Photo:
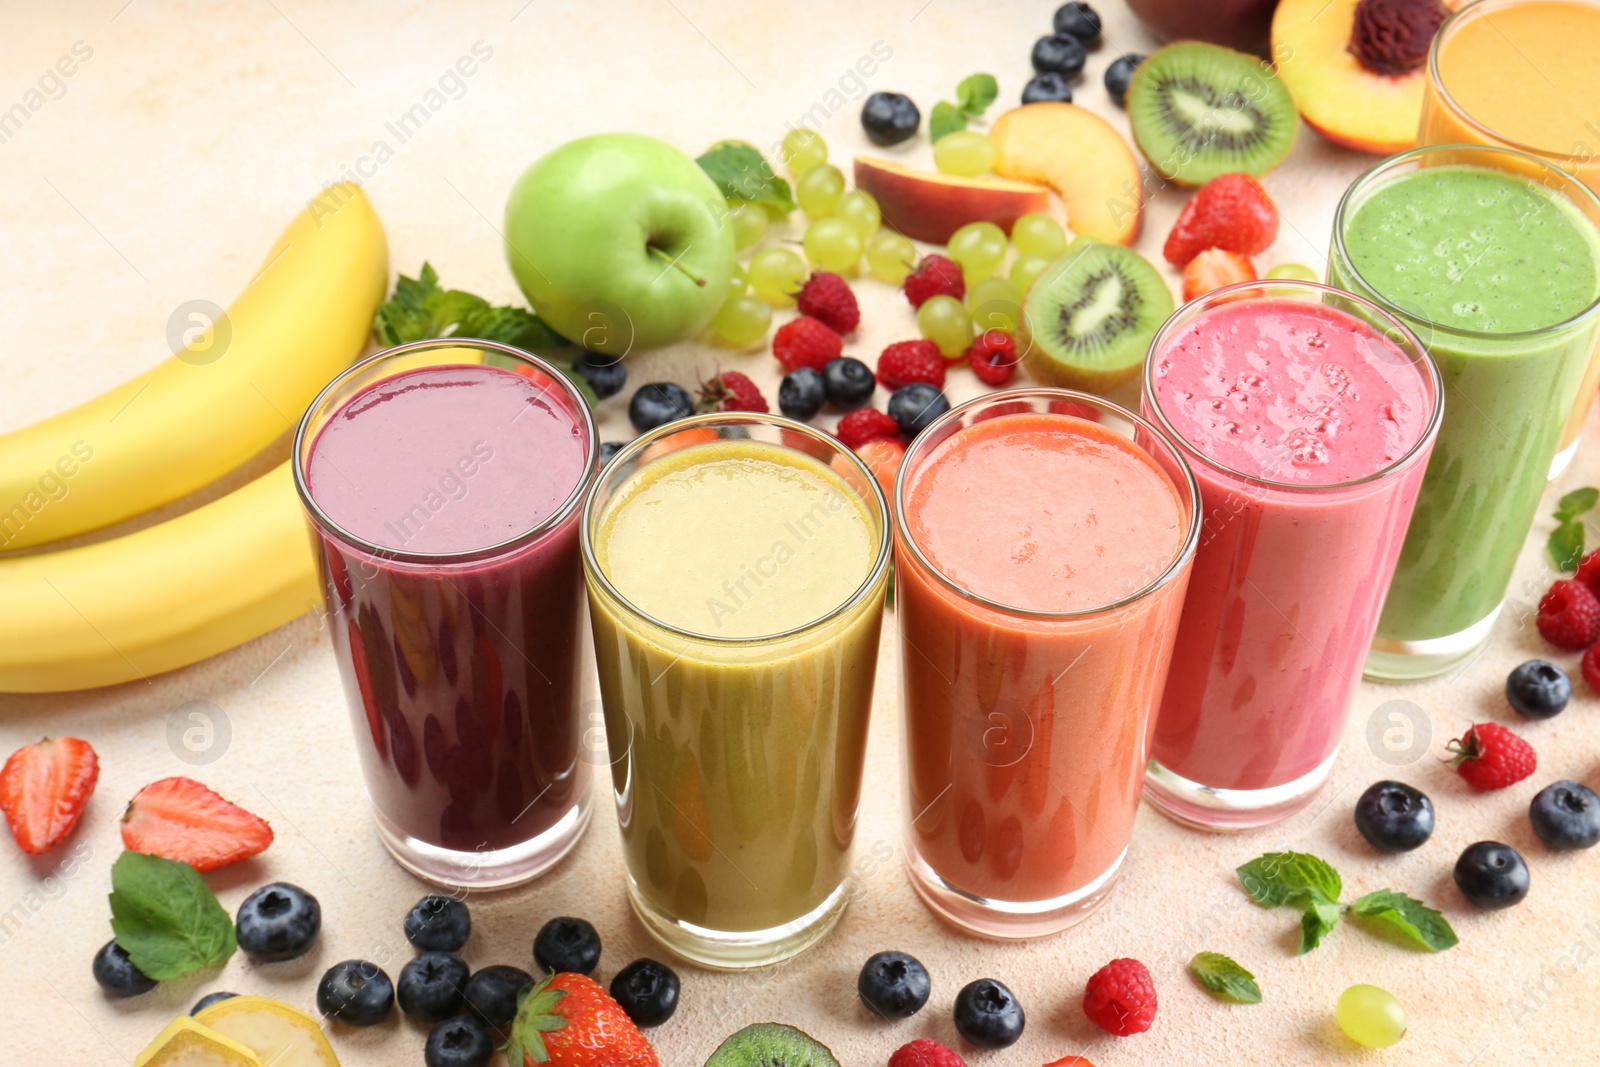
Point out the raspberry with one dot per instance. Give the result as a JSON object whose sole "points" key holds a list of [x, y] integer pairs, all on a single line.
{"points": [[1231, 212], [827, 298], [1590, 666], [865, 424], [731, 391], [805, 342], [1120, 998], [933, 276], [1489, 756], [1569, 615], [905, 362], [993, 356], [925, 1052], [1214, 268], [1589, 572]]}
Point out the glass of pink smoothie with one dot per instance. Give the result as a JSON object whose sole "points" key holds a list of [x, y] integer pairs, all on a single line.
{"points": [[1044, 539], [1308, 416], [442, 481]]}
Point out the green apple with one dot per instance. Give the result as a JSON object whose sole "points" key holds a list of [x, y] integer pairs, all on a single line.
{"points": [[620, 241]]}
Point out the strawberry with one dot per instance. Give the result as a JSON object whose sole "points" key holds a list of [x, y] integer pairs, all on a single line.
{"points": [[866, 424], [731, 391], [43, 789], [180, 819], [805, 342], [993, 356], [827, 298], [1569, 615], [1489, 756], [935, 275], [1231, 212], [567, 1020], [1214, 268], [905, 362]]}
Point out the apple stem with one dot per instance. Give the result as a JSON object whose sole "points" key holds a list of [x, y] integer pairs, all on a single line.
{"points": [[673, 261]]}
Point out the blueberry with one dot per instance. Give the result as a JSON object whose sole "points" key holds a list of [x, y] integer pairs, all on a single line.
{"points": [[278, 922], [1060, 53], [1394, 817], [801, 393], [1047, 85], [647, 991], [893, 984], [438, 923], [1566, 815], [606, 375], [1538, 690], [1492, 875], [916, 405], [1120, 74], [567, 944], [988, 1015], [890, 118], [492, 994], [657, 404], [461, 1042], [1078, 20], [849, 382], [355, 992], [609, 449], [209, 999], [116, 973], [432, 986]]}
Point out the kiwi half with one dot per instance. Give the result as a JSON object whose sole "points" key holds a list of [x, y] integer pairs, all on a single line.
{"points": [[1200, 110], [771, 1045], [1089, 317]]}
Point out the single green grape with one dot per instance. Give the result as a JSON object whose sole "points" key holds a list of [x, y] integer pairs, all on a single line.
{"points": [[860, 210], [832, 245], [965, 153], [743, 320], [890, 256], [1370, 1016], [1025, 270], [737, 281], [994, 304], [776, 274], [978, 247], [818, 190], [1293, 272], [943, 320], [804, 150], [749, 223], [1037, 234]]}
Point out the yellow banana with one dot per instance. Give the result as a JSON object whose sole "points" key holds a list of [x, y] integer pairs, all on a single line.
{"points": [[232, 391]]}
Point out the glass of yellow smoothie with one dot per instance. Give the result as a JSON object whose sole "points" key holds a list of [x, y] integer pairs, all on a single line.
{"points": [[737, 566]]}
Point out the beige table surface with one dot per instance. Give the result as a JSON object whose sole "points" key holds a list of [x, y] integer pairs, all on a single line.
{"points": [[164, 170]]}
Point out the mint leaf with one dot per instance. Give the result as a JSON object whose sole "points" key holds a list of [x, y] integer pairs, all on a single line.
{"points": [[1319, 919], [420, 310], [165, 918], [975, 93], [944, 119], [1290, 878], [514, 326], [1576, 503], [1410, 919], [1566, 545], [741, 172], [1224, 978]]}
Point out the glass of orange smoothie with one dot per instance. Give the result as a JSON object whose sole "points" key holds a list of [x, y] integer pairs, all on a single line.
{"points": [[1043, 545], [1523, 74]]}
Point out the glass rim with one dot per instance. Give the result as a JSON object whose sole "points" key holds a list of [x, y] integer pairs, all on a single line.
{"points": [[1372, 174], [1431, 375], [499, 548], [1174, 567], [880, 563]]}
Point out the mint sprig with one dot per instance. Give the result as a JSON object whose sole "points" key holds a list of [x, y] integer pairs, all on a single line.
{"points": [[1566, 540], [1302, 880], [743, 174], [974, 94], [165, 917], [1225, 979]]}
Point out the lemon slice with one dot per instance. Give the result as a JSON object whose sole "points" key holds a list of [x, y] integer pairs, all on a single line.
{"points": [[276, 1033], [187, 1043]]}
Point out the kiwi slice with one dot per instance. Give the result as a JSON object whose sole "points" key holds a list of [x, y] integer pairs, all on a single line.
{"points": [[1200, 110], [1089, 317], [771, 1045]]}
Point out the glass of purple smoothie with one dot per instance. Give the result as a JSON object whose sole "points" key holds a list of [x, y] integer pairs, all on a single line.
{"points": [[442, 482]]}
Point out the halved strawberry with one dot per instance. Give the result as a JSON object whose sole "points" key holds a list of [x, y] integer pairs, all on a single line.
{"points": [[1214, 268], [180, 819], [43, 789]]}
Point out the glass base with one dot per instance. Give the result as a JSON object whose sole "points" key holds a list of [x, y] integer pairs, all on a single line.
{"points": [[497, 869], [738, 950], [1231, 810], [1007, 920], [1416, 661], [1563, 459]]}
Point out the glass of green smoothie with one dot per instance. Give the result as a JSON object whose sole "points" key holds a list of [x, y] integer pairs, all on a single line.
{"points": [[737, 565], [1492, 258]]}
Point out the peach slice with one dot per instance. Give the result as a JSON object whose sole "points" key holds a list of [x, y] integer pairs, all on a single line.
{"points": [[928, 206], [1079, 155]]}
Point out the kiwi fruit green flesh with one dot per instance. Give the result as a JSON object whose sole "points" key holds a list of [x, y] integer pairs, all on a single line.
{"points": [[1089, 317], [1200, 110], [771, 1045]]}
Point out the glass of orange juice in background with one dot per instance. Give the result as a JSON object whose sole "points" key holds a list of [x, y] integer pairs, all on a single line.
{"points": [[1523, 74]]}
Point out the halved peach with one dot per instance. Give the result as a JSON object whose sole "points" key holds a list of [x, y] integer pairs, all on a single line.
{"points": [[1079, 155], [930, 206]]}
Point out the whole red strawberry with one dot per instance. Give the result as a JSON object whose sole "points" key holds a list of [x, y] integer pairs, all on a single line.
{"points": [[567, 1020], [935, 275], [1231, 212], [827, 298], [182, 820], [43, 789], [905, 362], [805, 342], [993, 357], [731, 391], [865, 424], [1489, 756], [925, 1052], [1121, 998], [1569, 615]]}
